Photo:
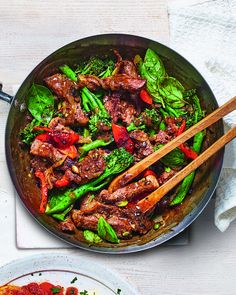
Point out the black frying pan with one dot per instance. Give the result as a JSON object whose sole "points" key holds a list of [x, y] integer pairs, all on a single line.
{"points": [[18, 160]]}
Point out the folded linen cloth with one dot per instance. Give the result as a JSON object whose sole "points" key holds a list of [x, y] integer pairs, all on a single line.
{"points": [[204, 33]]}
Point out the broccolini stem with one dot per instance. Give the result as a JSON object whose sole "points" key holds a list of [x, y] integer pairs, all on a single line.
{"points": [[187, 182], [68, 72], [93, 145]]}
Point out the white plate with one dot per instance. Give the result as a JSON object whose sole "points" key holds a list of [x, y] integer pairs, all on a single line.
{"points": [[61, 269]]}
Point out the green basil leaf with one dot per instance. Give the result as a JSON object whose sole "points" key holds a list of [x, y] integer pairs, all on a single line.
{"points": [[41, 103], [153, 70], [172, 91], [152, 67], [106, 232], [92, 237]]}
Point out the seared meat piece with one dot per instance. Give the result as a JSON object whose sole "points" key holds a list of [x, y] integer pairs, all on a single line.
{"points": [[125, 66], [142, 145], [40, 164], [62, 86], [67, 226], [85, 203], [172, 128], [89, 81], [123, 220], [122, 82], [46, 150], [165, 176], [131, 191], [161, 137], [91, 166], [66, 88], [116, 82], [67, 164], [85, 221], [72, 113], [119, 109], [72, 177]]}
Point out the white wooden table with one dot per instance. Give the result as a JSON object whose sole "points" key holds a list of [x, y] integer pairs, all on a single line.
{"points": [[29, 31]]}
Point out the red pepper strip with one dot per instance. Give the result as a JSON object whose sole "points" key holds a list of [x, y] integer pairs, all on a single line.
{"points": [[189, 153], [44, 191], [145, 96], [41, 128], [62, 182], [72, 290], [149, 172], [181, 128], [63, 140], [71, 151], [122, 138], [43, 137]]}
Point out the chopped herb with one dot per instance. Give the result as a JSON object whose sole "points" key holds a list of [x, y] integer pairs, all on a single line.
{"points": [[40, 274], [84, 293], [118, 292], [56, 290], [122, 203], [167, 169], [74, 280], [156, 225]]}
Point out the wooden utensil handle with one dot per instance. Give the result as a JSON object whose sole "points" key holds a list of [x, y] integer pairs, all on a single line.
{"points": [[150, 201], [135, 170]]}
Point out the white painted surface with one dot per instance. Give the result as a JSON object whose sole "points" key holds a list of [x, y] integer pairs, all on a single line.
{"points": [[29, 31]]}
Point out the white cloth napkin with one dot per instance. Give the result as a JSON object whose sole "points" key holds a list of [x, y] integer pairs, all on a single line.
{"points": [[205, 33]]}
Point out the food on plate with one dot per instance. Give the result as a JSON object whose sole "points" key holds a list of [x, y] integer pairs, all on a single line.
{"points": [[89, 123], [44, 288]]}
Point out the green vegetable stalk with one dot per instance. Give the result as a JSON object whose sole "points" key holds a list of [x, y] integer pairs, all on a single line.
{"points": [[93, 145], [68, 72], [92, 103], [96, 66], [116, 162], [187, 182]]}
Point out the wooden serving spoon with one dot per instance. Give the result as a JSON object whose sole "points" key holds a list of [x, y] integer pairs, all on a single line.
{"points": [[135, 170]]}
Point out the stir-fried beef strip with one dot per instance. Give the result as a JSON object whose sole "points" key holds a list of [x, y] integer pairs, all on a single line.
{"points": [[131, 191], [46, 150], [165, 176], [172, 127], [161, 137], [114, 83], [73, 113], [122, 82], [124, 221], [119, 109], [92, 166], [91, 82], [67, 226], [62, 86], [125, 66], [66, 89], [142, 144]]}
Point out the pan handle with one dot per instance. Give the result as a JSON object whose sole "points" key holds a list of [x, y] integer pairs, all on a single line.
{"points": [[4, 96]]}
